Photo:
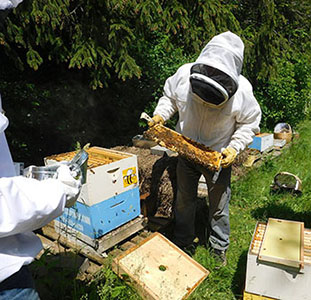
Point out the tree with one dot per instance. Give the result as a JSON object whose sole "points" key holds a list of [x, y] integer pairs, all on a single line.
{"points": [[109, 37]]}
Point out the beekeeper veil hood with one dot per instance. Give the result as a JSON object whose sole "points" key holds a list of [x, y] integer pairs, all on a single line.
{"points": [[6, 6], [214, 75]]}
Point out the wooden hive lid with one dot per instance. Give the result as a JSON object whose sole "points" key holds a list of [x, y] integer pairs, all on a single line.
{"points": [[283, 243]]}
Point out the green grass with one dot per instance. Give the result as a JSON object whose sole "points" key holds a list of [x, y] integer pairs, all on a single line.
{"points": [[251, 201]]}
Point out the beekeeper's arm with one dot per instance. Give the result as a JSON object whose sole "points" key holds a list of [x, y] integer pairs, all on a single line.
{"points": [[167, 105], [27, 204], [247, 120]]}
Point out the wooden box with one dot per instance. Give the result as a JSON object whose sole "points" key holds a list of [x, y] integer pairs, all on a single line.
{"points": [[159, 269]]}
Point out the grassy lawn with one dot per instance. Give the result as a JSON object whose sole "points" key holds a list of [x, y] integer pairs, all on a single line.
{"points": [[251, 201]]}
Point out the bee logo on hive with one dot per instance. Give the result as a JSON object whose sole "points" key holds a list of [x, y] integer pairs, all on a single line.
{"points": [[129, 176]]}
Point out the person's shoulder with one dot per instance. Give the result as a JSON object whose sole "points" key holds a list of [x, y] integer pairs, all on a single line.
{"points": [[245, 95], [244, 84]]}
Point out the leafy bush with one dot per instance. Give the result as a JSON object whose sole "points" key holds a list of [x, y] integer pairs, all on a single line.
{"points": [[161, 62], [286, 97]]}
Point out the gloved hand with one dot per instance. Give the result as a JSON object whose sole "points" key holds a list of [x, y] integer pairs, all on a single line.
{"points": [[72, 186], [228, 156], [157, 119]]}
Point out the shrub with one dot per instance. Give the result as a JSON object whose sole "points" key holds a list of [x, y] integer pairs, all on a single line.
{"points": [[286, 97]]}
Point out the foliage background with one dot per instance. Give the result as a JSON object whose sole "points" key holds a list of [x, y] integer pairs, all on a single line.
{"points": [[83, 71]]}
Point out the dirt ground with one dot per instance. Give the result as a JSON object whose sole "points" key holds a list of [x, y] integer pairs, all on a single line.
{"points": [[157, 176]]}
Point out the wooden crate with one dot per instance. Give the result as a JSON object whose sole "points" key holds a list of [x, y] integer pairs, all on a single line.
{"points": [[159, 269]]}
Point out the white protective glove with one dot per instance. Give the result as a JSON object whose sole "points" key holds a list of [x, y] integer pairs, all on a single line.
{"points": [[72, 186]]}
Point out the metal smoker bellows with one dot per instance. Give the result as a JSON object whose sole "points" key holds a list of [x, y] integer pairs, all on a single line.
{"points": [[77, 165]]}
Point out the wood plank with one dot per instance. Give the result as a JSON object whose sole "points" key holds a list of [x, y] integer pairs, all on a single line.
{"points": [[159, 269], [106, 242], [127, 245], [77, 245], [53, 246], [137, 239], [116, 236], [282, 243]]}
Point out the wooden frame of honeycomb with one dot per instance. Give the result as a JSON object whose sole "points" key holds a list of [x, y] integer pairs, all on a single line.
{"points": [[185, 147]]}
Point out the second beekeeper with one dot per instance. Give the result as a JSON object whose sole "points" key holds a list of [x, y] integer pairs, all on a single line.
{"points": [[217, 108]]}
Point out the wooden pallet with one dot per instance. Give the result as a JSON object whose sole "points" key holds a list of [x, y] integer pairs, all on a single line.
{"points": [[89, 260]]}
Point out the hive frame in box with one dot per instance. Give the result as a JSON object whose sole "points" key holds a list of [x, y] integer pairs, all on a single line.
{"points": [[108, 200]]}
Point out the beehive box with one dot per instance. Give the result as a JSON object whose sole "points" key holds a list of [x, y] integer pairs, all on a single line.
{"points": [[159, 269], [279, 272], [262, 142], [110, 196]]}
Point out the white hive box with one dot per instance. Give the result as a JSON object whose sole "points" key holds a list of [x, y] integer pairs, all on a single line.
{"points": [[262, 142], [279, 261], [109, 173]]}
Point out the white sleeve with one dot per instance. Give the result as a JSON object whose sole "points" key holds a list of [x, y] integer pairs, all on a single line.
{"points": [[247, 121], [166, 106], [27, 204], [174, 90]]}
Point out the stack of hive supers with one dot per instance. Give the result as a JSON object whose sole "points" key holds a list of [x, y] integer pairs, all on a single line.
{"points": [[185, 147], [109, 198]]}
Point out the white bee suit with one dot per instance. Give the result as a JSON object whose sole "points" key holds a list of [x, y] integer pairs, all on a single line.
{"points": [[217, 108], [233, 124], [25, 205]]}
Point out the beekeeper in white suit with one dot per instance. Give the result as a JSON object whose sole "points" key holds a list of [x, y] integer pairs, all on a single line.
{"points": [[26, 204], [216, 107]]}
